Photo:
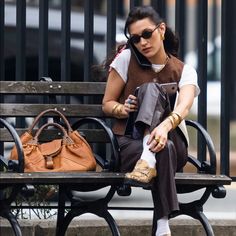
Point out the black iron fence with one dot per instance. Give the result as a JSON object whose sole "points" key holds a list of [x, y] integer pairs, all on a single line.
{"points": [[64, 42]]}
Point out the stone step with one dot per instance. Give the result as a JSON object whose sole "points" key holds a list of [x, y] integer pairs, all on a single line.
{"points": [[179, 227]]}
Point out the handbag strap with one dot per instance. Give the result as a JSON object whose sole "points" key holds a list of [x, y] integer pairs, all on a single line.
{"points": [[49, 111], [66, 139]]}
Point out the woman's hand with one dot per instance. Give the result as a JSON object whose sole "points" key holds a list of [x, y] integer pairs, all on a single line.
{"points": [[158, 137], [131, 104]]}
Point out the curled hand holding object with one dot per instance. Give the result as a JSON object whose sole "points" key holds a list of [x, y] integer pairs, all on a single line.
{"points": [[131, 103]]}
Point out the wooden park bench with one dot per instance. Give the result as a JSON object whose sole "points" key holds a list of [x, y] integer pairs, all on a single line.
{"points": [[81, 103]]}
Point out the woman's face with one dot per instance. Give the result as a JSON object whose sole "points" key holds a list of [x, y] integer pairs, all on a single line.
{"points": [[152, 47]]}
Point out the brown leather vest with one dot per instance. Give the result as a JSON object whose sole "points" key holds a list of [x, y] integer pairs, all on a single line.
{"points": [[138, 75]]}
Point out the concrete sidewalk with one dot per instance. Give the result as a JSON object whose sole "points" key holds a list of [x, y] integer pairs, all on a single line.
{"points": [[179, 227]]}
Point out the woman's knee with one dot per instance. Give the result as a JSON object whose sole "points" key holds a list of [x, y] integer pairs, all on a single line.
{"points": [[152, 88]]}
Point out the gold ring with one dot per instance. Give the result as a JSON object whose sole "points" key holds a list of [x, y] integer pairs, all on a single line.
{"points": [[157, 139]]}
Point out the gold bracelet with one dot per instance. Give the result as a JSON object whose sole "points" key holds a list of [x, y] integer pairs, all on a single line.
{"points": [[177, 121], [178, 115], [119, 110], [170, 118], [114, 108], [174, 120]]}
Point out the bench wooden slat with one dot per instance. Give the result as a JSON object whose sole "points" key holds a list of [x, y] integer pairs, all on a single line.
{"points": [[60, 178], [92, 135], [39, 88], [201, 179], [105, 177], [32, 110]]}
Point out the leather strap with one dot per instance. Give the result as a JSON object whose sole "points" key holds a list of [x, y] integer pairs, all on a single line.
{"points": [[50, 111]]}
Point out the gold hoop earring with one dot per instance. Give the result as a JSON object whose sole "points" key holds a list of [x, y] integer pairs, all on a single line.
{"points": [[162, 37]]}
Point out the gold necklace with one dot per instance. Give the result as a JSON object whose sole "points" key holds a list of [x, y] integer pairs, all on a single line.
{"points": [[161, 67]]}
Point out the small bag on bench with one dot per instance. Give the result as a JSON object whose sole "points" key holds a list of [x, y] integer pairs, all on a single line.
{"points": [[70, 153]]}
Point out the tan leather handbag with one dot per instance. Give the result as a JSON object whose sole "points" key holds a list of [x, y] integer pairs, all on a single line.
{"points": [[71, 153]]}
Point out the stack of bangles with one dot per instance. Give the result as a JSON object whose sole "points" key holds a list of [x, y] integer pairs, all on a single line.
{"points": [[117, 109], [175, 119]]}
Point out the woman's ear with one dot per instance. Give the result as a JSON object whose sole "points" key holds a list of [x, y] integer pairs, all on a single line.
{"points": [[162, 29]]}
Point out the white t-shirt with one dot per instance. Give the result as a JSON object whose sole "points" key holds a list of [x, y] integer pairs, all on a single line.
{"points": [[121, 64]]}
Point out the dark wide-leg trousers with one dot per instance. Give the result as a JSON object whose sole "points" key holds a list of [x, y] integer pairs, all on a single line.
{"points": [[153, 108]]}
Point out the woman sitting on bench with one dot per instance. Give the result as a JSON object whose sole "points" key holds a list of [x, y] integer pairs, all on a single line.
{"points": [[150, 128]]}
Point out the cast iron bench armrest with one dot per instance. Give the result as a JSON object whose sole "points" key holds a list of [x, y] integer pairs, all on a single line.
{"points": [[205, 166], [110, 165], [17, 166]]}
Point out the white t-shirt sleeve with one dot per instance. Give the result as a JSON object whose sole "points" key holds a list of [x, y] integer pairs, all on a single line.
{"points": [[121, 63], [189, 76]]}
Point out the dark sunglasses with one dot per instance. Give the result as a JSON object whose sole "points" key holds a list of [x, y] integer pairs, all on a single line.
{"points": [[146, 34]]}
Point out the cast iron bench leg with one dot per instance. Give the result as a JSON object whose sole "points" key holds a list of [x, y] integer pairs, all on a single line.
{"points": [[194, 210], [61, 210], [14, 223], [207, 226], [61, 230], [62, 227], [80, 207], [112, 224]]}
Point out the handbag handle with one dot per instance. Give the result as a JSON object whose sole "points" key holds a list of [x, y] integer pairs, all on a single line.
{"points": [[50, 111], [66, 139]]}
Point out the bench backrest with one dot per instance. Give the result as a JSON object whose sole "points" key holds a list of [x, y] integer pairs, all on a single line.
{"points": [[26, 99]]}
